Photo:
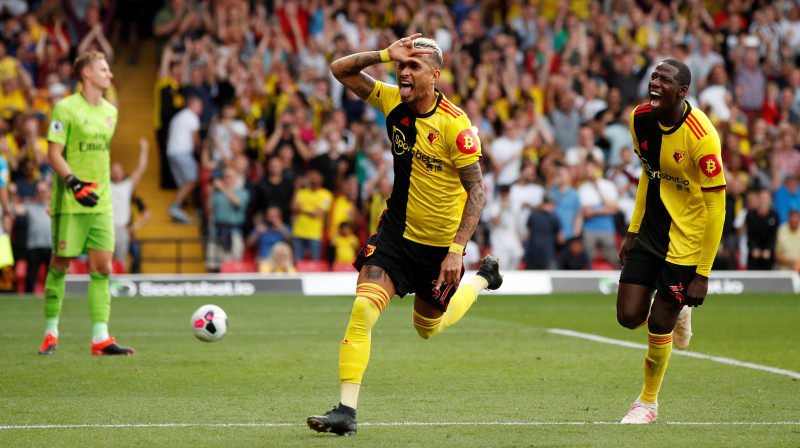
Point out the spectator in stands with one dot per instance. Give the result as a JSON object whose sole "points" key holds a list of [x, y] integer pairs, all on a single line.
{"points": [[626, 178], [506, 229], [788, 197], [567, 202], [38, 242], [599, 201], [703, 60], [279, 261], [544, 235], [717, 97], [573, 256], [168, 101], [345, 244], [228, 205], [274, 190], [183, 143], [526, 195], [344, 208], [223, 134], [286, 134], [586, 147], [26, 182], [269, 229], [506, 153], [750, 83], [171, 20], [334, 165], [787, 248], [762, 231], [566, 121], [122, 190], [311, 205]]}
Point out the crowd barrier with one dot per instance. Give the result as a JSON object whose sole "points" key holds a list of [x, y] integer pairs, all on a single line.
{"points": [[343, 283]]}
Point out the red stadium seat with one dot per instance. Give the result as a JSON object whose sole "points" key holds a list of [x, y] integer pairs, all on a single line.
{"points": [[232, 266], [117, 267], [78, 267], [312, 266], [343, 267]]}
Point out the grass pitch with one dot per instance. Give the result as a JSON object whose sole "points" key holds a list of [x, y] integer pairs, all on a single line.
{"points": [[498, 378]]}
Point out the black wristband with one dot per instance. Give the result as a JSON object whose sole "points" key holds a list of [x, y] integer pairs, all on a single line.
{"points": [[71, 180]]}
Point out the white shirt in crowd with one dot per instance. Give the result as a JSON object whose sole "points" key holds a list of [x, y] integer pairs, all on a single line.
{"points": [[181, 132]]}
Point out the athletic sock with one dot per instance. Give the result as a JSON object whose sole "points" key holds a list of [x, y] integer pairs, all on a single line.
{"points": [[370, 301], [53, 297], [99, 332], [478, 283], [461, 301], [427, 327], [655, 364], [51, 327], [99, 305]]}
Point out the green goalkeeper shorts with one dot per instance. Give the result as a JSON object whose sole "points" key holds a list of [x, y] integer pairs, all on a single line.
{"points": [[74, 234]]}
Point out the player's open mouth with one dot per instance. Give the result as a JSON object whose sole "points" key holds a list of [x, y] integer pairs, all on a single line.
{"points": [[655, 99], [406, 88]]}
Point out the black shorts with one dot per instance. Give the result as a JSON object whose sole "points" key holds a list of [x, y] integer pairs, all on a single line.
{"points": [[413, 267], [645, 269]]}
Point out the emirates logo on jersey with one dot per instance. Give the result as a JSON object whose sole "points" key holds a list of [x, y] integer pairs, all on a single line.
{"points": [[679, 155]]}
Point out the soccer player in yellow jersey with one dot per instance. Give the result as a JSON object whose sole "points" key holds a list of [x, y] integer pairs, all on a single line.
{"points": [[676, 225], [419, 244]]}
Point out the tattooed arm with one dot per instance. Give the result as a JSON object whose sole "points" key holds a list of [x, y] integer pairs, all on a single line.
{"points": [[348, 70], [472, 181]]}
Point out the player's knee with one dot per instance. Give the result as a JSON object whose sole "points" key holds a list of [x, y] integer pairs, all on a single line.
{"points": [[60, 264], [365, 311], [630, 320], [100, 268]]}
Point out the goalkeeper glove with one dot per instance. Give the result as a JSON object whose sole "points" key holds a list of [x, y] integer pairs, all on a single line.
{"points": [[83, 191]]}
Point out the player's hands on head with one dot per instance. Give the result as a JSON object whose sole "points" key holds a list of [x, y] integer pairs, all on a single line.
{"points": [[83, 190], [403, 50], [450, 272], [697, 290]]}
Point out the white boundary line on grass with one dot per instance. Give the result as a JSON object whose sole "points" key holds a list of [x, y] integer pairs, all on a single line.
{"points": [[719, 359], [274, 425]]}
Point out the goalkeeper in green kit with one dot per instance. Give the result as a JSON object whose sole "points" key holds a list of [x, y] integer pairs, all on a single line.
{"points": [[81, 128]]}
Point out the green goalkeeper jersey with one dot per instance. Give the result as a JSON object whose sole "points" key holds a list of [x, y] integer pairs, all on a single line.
{"points": [[86, 132]]}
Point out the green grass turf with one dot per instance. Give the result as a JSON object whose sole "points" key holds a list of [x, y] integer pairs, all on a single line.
{"points": [[278, 364]]}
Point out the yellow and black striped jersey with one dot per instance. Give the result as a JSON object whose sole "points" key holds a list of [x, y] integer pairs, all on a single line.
{"points": [[680, 164], [428, 150]]}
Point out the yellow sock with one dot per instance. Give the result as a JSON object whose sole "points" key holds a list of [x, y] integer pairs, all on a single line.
{"points": [[459, 304], [655, 364], [370, 301]]}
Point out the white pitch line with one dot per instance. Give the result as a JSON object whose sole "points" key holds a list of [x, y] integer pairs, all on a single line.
{"points": [[719, 359], [274, 425]]}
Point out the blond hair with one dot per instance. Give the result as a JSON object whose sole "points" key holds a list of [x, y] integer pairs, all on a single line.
{"points": [[84, 60], [430, 44]]}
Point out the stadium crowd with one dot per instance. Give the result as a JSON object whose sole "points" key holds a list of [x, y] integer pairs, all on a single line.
{"points": [[284, 164]]}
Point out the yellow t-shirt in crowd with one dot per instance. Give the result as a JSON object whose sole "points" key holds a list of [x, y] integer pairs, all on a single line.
{"points": [[305, 225]]}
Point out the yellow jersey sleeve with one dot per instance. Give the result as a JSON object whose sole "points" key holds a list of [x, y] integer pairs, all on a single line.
{"points": [[385, 97], [707, 156], [462, 142]]}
